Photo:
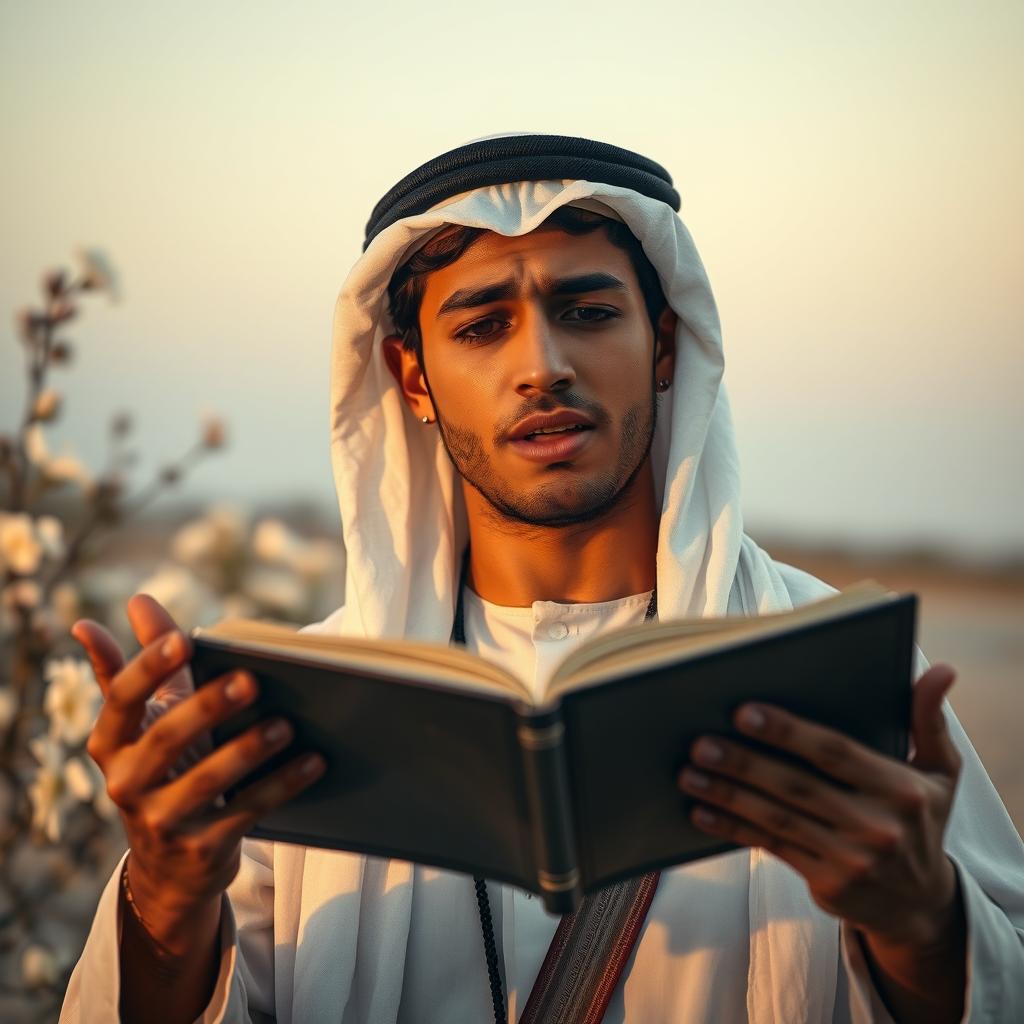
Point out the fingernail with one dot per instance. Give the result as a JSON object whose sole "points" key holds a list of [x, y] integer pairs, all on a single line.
{"points": [[312, 765], [709, 752], [703, 816], [696, 779], [751, 717], [277, 731], [235, 689], [169, 647]]}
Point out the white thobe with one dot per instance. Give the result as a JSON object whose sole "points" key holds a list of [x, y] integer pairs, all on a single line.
{"points": [[315, 935]]}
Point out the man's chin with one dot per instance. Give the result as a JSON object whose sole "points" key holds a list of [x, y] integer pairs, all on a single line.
{"points": [[559, 507]]}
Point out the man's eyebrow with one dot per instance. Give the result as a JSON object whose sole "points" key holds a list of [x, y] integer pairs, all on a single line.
{"points": [[598, 281], [469, 298]]}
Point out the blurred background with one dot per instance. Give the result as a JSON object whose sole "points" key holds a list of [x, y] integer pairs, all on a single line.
{"points": [[851, 175]]}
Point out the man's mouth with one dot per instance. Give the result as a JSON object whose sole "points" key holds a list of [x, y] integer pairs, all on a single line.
{"points": [[544, 424], [550, 437], [544, 431]]}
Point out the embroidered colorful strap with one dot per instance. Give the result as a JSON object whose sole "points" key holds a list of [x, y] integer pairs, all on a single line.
{"points": [[588, 954]]}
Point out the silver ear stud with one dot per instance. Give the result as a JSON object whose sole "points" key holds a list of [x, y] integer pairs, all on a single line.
{"points": [[663, 384], [425, 419]]}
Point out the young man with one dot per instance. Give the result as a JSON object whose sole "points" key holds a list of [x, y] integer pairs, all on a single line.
{"points": [[527, 364]]}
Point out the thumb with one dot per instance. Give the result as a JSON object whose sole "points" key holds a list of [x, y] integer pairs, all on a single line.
{"points": [[149, 618], [934, 751]]}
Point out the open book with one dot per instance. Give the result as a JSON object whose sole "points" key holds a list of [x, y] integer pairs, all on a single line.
{"points": [[437, 756]]}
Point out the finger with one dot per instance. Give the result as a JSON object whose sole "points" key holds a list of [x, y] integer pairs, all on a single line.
{"points": [[934, 750], [734, 830], [149, 619], [786, 823], [789, 784], [831, 752], [261, 797], [103, 651], [164, 742], [122, 712], [219, 771]]}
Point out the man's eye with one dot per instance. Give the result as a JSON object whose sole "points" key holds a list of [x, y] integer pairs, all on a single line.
{"points": [[599, 314], [474, 331]]}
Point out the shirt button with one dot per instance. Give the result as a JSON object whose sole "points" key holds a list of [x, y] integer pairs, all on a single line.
{"points": [[558, 631]]}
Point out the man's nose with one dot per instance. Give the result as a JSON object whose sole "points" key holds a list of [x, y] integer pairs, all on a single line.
{"points": [[543, 362]]}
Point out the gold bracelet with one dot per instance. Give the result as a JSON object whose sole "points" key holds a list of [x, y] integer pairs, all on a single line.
{"points": [[162, 953]]}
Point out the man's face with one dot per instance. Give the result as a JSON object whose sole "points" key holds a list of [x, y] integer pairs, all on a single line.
{"points": [[539, 356]]}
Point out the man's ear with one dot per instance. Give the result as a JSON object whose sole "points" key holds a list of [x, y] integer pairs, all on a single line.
{"points": [[405, 368], [665, 345]]}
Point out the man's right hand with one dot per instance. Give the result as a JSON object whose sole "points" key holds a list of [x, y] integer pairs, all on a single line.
{"points": [[151, 740]]}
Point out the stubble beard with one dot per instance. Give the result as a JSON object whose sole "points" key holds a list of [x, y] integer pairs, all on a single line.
{"points": [[555, 505]]}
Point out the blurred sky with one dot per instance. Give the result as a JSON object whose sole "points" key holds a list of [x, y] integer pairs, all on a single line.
{"points": [[851, 173]]}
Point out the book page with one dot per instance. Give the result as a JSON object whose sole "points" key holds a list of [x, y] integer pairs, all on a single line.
{"points": [[640, 647], [416, 661]]}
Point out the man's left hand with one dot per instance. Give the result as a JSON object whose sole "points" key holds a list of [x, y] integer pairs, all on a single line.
{"points": [[867, 837]]}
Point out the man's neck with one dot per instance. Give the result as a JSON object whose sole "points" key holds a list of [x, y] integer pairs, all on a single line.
{"points": [[514, 564]]}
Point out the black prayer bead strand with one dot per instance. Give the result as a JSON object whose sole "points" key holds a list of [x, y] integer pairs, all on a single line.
{"points": [[490, 950]]}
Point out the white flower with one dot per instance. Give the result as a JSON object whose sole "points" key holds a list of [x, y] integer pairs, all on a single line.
{"points": [[35, 445], [50, 531], [66, 604], [38, 966], [66, 469], [231, 522], [72, 699], [215, 538], [214, 433], [195, 543], [63, 468], [21, 594], [8, 709], [277, 589], [47, 404], [20, 550], [273, 541], [86, 782], [188, 600], [79, 780], [98, 272], [49, 792]]}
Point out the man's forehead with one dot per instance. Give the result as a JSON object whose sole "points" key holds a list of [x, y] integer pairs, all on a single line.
{"points": [[545, 252]]}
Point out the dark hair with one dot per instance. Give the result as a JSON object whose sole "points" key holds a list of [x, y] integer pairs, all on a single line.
{"points": [[405, 290]]}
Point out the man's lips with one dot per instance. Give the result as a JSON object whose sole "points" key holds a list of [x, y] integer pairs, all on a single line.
{"points": [[558, 447], [540, 423]]}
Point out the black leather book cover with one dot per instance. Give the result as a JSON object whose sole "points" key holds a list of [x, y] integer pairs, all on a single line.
{"points": [[627, 740], [444, 777]]}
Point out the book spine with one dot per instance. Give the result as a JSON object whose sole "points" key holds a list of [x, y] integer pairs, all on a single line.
{"points": [[546, 774]]}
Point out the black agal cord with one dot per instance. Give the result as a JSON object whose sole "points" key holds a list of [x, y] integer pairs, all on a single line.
{"points": [[519, 158]]}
